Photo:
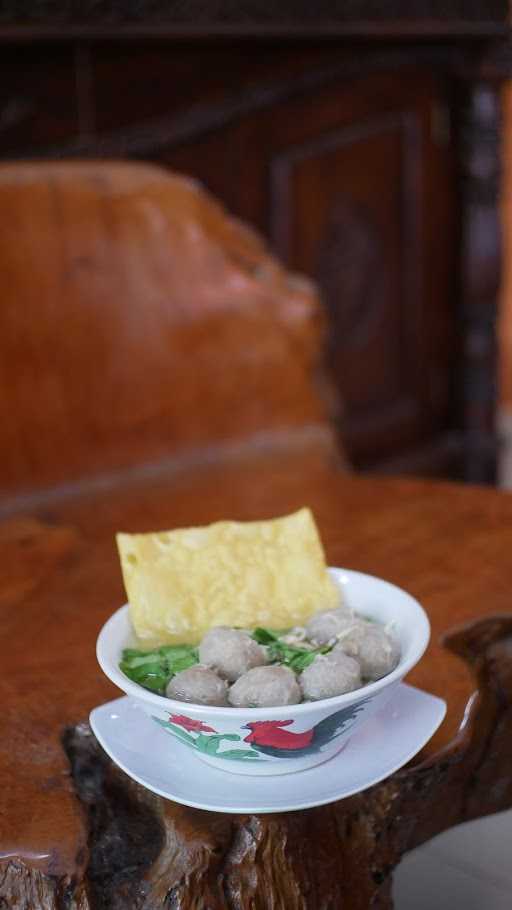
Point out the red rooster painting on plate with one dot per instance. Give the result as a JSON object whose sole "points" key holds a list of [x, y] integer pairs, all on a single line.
{"points": [[271, 738]]}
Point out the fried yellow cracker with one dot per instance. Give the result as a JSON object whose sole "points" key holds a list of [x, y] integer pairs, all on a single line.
{"points": [[260, 573]]}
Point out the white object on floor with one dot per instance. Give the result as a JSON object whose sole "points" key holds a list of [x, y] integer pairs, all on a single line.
{"points": [[468, 866], [169, 768]]}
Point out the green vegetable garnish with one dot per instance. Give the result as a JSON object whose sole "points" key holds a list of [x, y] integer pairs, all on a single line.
{"points": [[154, 669], [292, 656], [265, 636]]}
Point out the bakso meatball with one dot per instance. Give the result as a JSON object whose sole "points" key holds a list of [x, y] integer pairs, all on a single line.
{"points": [[376, 651], [198, 685], [323, 627], [264, 687], [230, 652], [330, 674]]}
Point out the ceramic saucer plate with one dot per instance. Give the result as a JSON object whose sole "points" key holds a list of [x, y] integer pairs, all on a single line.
{"points": [[164, 765]]}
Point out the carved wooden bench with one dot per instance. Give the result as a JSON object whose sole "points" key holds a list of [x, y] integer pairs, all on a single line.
{"points": [[141, 328]]}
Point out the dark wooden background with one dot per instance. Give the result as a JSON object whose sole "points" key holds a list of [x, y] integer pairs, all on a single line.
{"points": [[353, 150]]}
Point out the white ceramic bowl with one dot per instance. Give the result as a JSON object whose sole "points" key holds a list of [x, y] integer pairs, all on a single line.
{"points": [[288, 738]]}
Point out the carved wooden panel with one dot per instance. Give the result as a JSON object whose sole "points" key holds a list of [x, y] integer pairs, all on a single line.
{"points": [[353, 245], [175, 94], [506, 293], [38, 99], [459, 17], [351, 206], [480, 275]]}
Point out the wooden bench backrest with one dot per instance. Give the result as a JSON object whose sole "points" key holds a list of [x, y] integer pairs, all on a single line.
{"points": [[138, 321]]}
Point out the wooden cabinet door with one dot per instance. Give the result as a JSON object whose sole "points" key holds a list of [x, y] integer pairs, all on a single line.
{"points": [[357, 184], [353, 183]]}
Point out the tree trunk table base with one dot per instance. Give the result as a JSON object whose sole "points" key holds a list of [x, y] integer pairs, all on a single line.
{"points": [[145, 851]]}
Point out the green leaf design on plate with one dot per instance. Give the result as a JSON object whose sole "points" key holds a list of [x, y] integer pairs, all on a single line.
{"points": [[210, 744], [241, 755], [176, 731]]}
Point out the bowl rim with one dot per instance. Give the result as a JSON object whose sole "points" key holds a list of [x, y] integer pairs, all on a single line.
{"points": [[173, 706]]}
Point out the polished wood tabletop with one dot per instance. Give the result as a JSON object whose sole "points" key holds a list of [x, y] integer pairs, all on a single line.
{"points": [[67, 815]]}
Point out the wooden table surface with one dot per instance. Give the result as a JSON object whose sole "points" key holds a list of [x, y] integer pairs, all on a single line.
{"points": [[76, 833]]}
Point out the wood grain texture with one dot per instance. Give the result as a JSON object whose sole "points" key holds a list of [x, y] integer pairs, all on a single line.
{"points": [[424, 17], [101, 841], [140, 322]]}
